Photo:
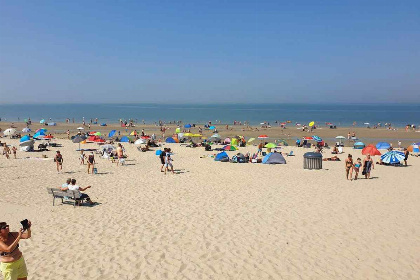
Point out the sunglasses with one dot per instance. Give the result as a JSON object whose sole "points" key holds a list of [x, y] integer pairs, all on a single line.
{"points": [[4, 226]]}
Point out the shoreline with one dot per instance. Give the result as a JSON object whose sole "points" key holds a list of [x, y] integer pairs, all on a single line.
{"points": [[290, 134]]}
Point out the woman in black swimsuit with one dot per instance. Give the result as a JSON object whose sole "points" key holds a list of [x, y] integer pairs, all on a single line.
{"points": [[91, 162], [59, 161]]}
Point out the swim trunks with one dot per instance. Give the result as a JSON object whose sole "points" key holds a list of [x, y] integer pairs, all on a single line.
{"points": [[14, 270]]}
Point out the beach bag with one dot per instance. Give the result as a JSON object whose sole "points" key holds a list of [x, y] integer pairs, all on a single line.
{"points": [[95, 170]]}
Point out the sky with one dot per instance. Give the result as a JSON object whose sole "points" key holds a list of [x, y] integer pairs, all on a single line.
{"points": [[209, 51]]}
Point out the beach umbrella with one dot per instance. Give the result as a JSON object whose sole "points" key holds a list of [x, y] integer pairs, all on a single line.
{"points": [[270, 145], [392, 157], [107, 147], [263, 136], [188, 134], [80, 128], [383, 146], [133, 133], [340, 137], [359, 145], [317, 138], [187, 126], [212, 127], [97, 133], [42, 121], [177, 130], [79, 139], [27, 143], [197, 135], [230, 148], [250, 140], [24, 138], [312, 123], [43, 130], [371, 150], [9, 131], [26, 129]]}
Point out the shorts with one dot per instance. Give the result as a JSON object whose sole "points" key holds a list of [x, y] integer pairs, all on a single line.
{"points": [[169, 165], [14, 270]]}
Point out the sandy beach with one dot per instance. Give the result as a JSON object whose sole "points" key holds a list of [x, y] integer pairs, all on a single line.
{"points": [[214, 220]]}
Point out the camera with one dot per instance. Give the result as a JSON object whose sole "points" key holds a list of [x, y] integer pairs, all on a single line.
{"points": [[25, 224]]}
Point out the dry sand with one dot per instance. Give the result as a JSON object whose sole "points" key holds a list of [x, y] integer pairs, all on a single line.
{"points": [[214, 220]]}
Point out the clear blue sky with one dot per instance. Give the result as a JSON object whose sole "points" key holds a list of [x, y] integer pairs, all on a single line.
{"points": [[209, 51]]}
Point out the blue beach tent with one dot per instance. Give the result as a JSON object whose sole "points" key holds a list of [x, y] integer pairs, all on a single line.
{"points": [[103, 124], [170, 140], [383, 146], [220, 156], [124, 139], [24, 138], [274, 158], [187, 126], [212, 127], [111, 133]]}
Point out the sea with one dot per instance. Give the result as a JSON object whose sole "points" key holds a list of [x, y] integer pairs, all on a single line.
{"points": [[399, 115]]}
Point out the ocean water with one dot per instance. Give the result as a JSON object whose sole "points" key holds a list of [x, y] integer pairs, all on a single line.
{"points": [[341, 115]]}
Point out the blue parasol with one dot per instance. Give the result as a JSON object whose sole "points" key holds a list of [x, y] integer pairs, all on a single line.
{"points": [[393, 157]]}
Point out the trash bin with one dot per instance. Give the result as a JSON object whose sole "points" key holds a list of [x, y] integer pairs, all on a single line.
{"points": [[312, 161]]}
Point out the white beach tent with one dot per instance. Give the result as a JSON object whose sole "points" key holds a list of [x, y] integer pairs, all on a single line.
{"points": [[9, 131]]}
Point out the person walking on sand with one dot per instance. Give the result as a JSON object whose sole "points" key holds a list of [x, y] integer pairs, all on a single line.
{"points": [[14, 152], [120, 154], [349, 166], [91, 162], [82, 158], [406, 154], [162, 157], [356, 168], [68, 134], [168, 161], [12, 263], [59, 161], [367, 166], [6, 150]]}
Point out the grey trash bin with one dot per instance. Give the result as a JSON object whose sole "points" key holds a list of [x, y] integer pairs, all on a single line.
{"points": [[312, 161]]}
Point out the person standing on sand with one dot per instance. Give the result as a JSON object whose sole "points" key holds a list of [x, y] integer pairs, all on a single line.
{"points": [[259, 151], [168, 161], [91, 162], [68, 134], [406, 154], [349, 167], [59, 161], [120, 154], [367, 166], [162, 157], [12, 263]]}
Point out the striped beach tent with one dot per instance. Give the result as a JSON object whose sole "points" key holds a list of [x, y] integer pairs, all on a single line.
{"points": [[392, 157]]}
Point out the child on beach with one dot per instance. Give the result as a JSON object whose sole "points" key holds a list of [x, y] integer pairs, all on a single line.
{"points": [[168, 161], [356, 168], [6, 150], [14, 151], [82, 158]]}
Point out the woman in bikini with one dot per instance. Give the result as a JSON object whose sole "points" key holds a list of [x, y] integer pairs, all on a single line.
{"points": [[59, 161], [12, 263], [349, 167]]}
